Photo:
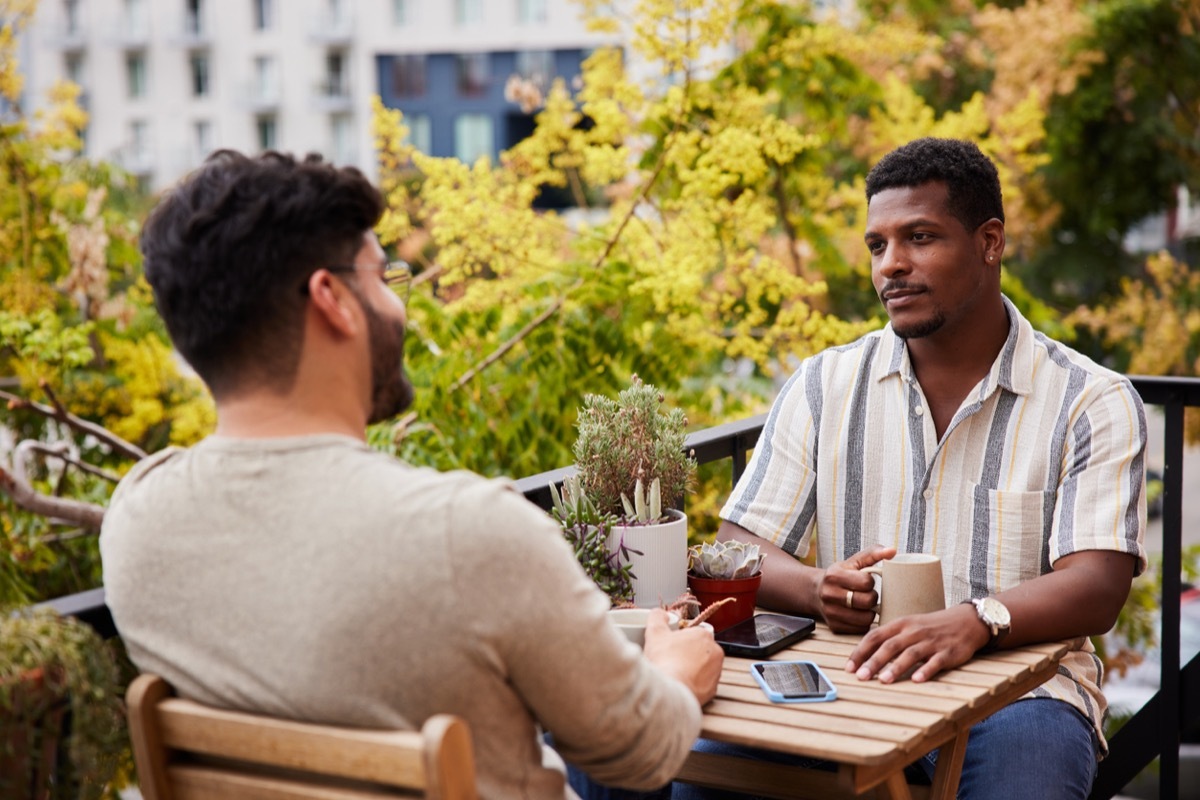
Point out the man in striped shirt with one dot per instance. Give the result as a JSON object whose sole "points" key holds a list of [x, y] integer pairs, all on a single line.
{"points": [[960, 431]]}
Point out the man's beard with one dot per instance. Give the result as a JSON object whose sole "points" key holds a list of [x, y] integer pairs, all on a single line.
{"points": [[919, 330], [391, 390]]}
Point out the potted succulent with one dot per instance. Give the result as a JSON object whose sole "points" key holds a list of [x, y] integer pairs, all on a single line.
{"points": [[587, 530], [631, 463], [62, 722], [720, 570]]}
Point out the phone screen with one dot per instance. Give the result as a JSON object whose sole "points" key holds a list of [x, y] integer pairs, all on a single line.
{"points": [[794, 679], [761, 630]]}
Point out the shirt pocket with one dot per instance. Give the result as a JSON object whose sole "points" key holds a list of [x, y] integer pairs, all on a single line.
{"points": [[1010, 536]]}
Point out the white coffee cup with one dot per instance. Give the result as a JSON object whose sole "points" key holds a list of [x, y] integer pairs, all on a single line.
{"points": [[632, 622], [909, 583]]}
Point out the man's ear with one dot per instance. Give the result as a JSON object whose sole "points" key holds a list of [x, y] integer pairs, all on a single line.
{"points": [[334, 305], [993, 241]]}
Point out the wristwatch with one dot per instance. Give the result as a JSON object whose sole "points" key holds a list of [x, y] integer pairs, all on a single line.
{"points": [[995, 615]]}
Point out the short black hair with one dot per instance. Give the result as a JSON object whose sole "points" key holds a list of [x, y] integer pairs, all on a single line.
{"points": [[228, 250], [972, 183]]}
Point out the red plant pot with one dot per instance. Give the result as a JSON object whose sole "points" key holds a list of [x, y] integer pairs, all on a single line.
{"points": [[744, 592]]}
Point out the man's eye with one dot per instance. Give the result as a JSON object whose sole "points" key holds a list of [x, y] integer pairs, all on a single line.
{"points": [[875, 247], [921, 237]]}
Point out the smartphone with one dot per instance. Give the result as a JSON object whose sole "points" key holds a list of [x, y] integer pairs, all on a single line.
{"points": [[763, 635], [793, 681]]}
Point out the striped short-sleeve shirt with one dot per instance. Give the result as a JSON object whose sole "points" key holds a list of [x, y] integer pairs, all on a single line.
{"points": [[1044, 458]]}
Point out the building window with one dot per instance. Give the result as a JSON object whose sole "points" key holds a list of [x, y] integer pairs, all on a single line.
{"points": [[468, 12], [341, 135], [420, 132], [339, 16], [408, 76], [73, 68], [536, 66], [202, 135], [71, 24], [265, 132], [336, 84], [139, 145], [472, 74], [402, 12], [199, 66], [266, 87], [531, 11], [264, 15], [193, 17], [136, 22], [473, 137], [135, 74]]}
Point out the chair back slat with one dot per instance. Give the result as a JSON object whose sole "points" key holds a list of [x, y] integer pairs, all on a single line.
{"points": [[189, 751], [395, 757], [197, 782]]}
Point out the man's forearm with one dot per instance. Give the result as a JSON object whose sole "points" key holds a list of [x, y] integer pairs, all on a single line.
{"points": [[787, 585], [1081, 597]]}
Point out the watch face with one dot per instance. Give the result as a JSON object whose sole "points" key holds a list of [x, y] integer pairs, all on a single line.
{"points": [[995, 612]]}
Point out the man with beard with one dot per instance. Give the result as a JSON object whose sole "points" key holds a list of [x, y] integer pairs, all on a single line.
{"points": [[282, 566], [957, 430]]}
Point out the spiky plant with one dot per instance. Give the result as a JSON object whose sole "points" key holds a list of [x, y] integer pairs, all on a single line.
{"points": [[587, 529], [628, 444]]}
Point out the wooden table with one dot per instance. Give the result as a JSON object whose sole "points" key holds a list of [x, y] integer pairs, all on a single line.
{"points": [[872, 731]]}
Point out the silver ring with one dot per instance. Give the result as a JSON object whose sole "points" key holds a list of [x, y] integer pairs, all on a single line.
{"points": [[849, 598]]}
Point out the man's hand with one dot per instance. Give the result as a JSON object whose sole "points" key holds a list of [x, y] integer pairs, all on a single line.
{"points": [[846, 596], [936, 641], [691, 656]]}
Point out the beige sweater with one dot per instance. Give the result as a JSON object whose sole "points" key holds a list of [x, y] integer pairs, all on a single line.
{"points": [[313, 578]]}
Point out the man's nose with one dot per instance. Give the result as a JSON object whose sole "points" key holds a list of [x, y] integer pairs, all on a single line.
{"points": [[892, 261]]}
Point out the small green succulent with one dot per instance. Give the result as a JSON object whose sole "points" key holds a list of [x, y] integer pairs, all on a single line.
{"points": [[724, 560]]}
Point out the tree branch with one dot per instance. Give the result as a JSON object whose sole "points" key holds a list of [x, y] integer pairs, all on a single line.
{"points": [[85, 515], [499, 352], [99, 432], [61, 454]]}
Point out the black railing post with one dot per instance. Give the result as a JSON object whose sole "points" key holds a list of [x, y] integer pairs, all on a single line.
{"points": [[1172, 567]]}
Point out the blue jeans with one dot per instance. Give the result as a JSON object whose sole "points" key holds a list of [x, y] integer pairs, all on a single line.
{"points": [[1037, 749]]}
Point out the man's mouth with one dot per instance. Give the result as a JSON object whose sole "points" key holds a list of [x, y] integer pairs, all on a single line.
{"points": [[894, 292]]}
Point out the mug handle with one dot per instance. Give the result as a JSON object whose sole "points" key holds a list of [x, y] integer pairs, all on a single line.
{"points": [[876, 570]]}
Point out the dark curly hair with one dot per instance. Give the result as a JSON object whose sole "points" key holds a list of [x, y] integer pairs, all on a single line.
{"points": [[228, 250], [972, 183]]}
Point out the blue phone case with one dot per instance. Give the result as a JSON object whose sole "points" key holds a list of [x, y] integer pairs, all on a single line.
{"points": [[782, 694]]}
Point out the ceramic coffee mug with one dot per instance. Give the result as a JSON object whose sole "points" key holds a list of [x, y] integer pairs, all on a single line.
{"points": [[910, 583], [632, 622]]}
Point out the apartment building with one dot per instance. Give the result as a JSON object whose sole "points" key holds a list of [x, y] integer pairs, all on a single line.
{"points": [[167, 81]]}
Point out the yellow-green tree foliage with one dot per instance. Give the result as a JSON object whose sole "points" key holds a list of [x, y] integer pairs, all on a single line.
{"points": [[1153, 326], [78, 332], [719, 162]]}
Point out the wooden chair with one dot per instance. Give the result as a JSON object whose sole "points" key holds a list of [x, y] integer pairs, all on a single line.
{"points": [[188, 751]]}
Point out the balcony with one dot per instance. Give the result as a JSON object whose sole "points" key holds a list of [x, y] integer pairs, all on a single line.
{"points": [[137, 161], [194, 32], [68, 37], [332, 29], [130, 34], [1153, 732], [332, 95], [261, 98]]}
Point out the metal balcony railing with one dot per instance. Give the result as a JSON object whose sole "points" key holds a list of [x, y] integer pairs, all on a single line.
{"points": [[1154, 732]]}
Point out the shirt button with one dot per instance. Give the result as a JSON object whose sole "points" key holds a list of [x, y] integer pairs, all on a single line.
{"points": [[919, 410], [927, 494]]}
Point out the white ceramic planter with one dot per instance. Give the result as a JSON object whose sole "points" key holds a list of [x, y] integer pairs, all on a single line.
{"points": [[661, 569]]}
